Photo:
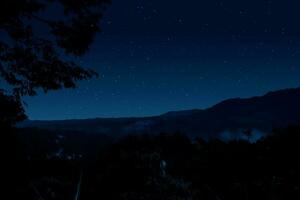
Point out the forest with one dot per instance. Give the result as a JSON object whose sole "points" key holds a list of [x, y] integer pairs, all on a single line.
{"points": [[162, 166]]}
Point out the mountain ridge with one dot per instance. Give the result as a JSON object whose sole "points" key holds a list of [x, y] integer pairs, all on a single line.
{"points": [[273, 110]]}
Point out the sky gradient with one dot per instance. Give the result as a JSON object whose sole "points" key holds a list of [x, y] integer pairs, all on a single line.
{"points": [[155, 56]]}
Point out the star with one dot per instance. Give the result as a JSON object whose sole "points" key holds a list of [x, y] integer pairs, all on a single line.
{"points": [[180, 20]]}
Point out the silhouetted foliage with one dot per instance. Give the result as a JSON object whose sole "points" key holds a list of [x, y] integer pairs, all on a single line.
{"points": [[33, 39], [11, 110], [267, 169], [165, 166], [35, 47]]}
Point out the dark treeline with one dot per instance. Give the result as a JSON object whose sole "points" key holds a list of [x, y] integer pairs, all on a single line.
{"points": [[164, 166]]}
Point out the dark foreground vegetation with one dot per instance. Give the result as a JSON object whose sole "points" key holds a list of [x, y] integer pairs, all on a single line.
{"points": [[164, 166]]}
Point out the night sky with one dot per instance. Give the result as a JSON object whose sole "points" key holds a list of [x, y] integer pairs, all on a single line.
{"points": [[155, 56]]}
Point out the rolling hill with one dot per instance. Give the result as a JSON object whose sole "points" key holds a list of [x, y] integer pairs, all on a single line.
{"points": [[263, 113]]}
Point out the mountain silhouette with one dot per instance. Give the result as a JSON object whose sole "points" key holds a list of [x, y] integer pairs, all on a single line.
{"points": [[263, 113]]}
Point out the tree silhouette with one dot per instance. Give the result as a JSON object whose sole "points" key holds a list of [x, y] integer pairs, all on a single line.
{"points": [[248, 133], [30, 60], [11, 110]]}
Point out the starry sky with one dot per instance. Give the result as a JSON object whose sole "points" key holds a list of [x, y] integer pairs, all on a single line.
{"points": [[158, 56]]}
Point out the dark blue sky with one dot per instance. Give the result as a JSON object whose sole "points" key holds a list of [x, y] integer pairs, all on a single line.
{"points": [[157, 56]]}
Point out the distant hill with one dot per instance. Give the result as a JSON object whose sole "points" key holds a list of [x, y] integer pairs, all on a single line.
{"points": [[273, 110]]}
